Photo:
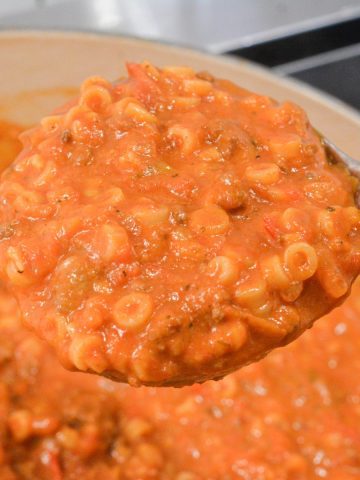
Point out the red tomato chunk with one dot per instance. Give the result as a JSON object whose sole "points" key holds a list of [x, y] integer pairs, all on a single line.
{"points": [[173, 227]]}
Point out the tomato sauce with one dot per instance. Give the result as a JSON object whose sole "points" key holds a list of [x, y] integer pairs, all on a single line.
{"points": [[293, 416], [173, 227]]}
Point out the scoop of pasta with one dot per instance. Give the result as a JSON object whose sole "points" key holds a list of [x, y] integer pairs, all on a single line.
{"points": [[173, 227]]}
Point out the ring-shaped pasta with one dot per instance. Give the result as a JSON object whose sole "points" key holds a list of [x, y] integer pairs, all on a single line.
{"points": [[301, 261]]}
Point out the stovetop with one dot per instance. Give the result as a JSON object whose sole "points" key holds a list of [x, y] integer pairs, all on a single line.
{"points": [[327, 58]]}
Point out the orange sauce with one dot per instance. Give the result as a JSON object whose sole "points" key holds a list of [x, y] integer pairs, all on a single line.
{"points": [[293, 416], [173, 227]]}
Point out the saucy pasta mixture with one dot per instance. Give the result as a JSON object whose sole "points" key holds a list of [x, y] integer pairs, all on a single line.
{"points": [[293, 416], [172, 227]]}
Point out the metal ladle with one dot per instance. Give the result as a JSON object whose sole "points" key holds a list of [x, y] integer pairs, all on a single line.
{"points": [[336, 156]]}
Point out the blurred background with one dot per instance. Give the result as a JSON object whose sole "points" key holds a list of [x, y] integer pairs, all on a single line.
{"points": [[316, 41]]}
